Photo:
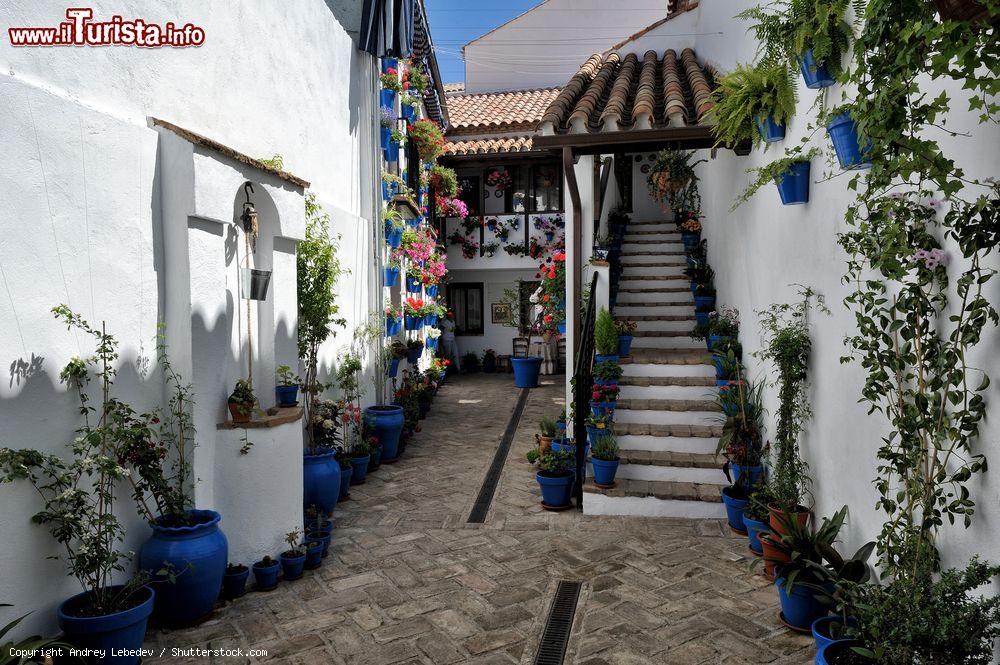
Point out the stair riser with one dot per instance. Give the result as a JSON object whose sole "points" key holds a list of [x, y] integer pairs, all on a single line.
{"points": [[671, 473], [675, 285], [664, 237], [699, 393], [638, 259], [649, 369], [636, 270], [671, 444], [661, 246], [659, 227], [646, 417], [679, 297], [598, 504], [626, 310], [672, 326], [666, 343]]}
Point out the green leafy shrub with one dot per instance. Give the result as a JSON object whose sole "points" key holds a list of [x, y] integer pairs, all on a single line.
{"points": [[605, 334], [750, 93]]}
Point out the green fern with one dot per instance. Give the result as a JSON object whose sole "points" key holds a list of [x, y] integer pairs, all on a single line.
{"points": [[786, 29], [748, 93]]}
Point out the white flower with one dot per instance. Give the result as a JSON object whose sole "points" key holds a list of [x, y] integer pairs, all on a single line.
{"points": [[433, 333], [328, 424]]}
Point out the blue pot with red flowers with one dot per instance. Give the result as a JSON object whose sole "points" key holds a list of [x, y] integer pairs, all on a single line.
{"points": [[414, 322], [392, 326], [601, 409]]}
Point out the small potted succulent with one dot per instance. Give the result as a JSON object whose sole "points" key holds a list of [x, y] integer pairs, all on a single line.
{"points": [[604, 458], [287, 390], [555, 477], [242, 402], [315, 551], [546, 433], [234, 582], [293, 559], [265, 574], [626, 332]]}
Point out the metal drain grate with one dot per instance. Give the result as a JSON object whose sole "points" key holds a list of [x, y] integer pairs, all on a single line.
{"points": [[555, 637], [485, 498]]}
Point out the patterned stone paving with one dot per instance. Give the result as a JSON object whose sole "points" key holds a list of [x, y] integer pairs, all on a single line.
{"points": [[408, 581]]}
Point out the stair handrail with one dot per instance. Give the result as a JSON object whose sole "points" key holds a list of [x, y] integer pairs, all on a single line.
{"points": [[583, 379]]}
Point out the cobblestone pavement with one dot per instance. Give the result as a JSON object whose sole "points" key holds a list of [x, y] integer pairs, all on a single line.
{"points": [[409, 581]]}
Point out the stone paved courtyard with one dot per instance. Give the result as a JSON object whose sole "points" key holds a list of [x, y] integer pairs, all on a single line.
{"points": [[409, 581]]}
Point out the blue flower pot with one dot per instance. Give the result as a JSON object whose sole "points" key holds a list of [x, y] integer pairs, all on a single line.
{"points": [[829, 653], [413, 355], [431, 343], [844, 134], [594, 433], [359, 468], [387, 98], [198, 554], [292, 566], [386, 190], [391, 327], [409, 112], [720, 371], [604, 471], [122, 630], [754, 529], [605, 382], [526, 371], [414, 224], [734, 509], [431, 320], [414, 323], [387, 422], [393, 237], [314, 554], [345, 482], [389, 63], [391, 153], [266, 577], [755, 473], [393, 369], [556, 490], [821, 629], [563, 446], [704, 303], [624, 345], [603, 359], [385, 140], [413, 284], [287, 395], [561, 426], [770, 131], [815, 75], [391, 276], [376, 459], [690, 240], [321, 480], [701, 318], [324, 538], [801, 607], [550, 236], [599, 409], [431, 290], [793, 186], [234, 585]]}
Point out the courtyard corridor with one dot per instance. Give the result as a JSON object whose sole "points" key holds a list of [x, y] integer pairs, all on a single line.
{"points": [[408, 580]]}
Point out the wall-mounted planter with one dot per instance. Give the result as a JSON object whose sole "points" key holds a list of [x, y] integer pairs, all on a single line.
{"points": [[409, 112], [391, 276], [389, 63], [392, 326], [844, 134], [254, 283], [414, 322], [413, 284], [385, 140], [816, 75], [793, 185], [431, 320], [431, 290], [770, 131], [393, 369], [391, 153], [393, 236], [387, 98]]}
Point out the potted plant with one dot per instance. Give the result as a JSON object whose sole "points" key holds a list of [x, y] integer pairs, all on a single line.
{"points": [[410, 105], [396, 139], [555, 477], [395, 225], [391, 270], [413, 311], [443, 181], [672, 180], [265, 574], [414, 349], [605, 338], [598, 426], [387, 122], [741, 443], [546, 433], [690, 227], [525, 320], [234, 582], [607, 373], [433, 337], [319, 529], [489, 361], [853, 150], [287, 390], [361, 453], [343, 458], [391, 86], [321, 472], [755, 518], [604, 459], [294, 558], [752, 103], [626, 330], [242, 401], [428, 139], [393, 316], [603, 399]]}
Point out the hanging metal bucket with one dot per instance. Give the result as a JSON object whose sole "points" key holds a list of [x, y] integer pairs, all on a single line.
{"points": [[254, 283]]}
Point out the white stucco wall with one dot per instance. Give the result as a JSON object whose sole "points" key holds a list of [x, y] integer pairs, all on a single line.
{"points": [[94, 197], [497, 337]]}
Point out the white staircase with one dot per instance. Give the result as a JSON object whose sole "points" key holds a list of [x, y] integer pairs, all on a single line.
{"points": [[667, 423]]}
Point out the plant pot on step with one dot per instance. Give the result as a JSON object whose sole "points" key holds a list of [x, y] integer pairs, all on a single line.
{"points": [[740, 473], [123, 630], [775, 515], [735, 500], [604, 472], [292, 565], [605, 359], [625, 345], [526, 371], [234, 582], [265, 575], [800, 606], [556, 488]]}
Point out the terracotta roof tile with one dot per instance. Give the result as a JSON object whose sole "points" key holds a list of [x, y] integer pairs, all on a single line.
{"points": [[498, 111], [454, 87], [488, 146], [670, 91]]}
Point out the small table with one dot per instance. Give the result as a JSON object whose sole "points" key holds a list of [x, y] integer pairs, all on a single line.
{"points": [[547, 351]]}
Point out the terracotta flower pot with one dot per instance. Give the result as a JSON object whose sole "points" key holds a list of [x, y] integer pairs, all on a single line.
{"points": [[240, 412], [773, 554], [775, 514], [544, 443]]}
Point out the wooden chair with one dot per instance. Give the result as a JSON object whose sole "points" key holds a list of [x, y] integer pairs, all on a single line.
{"points": [[503, 364], [520, 347]]}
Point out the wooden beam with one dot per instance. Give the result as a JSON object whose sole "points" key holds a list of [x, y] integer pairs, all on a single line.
{"points": [[643, 140]]}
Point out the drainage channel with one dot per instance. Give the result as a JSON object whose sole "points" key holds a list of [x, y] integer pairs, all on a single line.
{"points": [[489, 488], [555, 637]]}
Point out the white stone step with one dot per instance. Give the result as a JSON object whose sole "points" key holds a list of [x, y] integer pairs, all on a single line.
{"points": [[650, 369], [677, 474], [684, 297], [655, 226], [638, 269], [627, 310], [647, 417], [667, 343], [650, 506], [668, 392], [675, 444], [626, 283], [633, 259], [677, 326], [660, 236], [671, 246]]}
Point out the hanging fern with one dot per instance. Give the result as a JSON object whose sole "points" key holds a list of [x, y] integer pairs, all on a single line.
{"points": [[748, 93]]}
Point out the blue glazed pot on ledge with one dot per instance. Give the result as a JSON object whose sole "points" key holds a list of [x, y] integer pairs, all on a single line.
{"points": [[793, 185], [770, 131], [816, 75], [287, 395]]}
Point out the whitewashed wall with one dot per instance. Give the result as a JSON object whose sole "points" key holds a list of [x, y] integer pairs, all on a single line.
{"points": [[495, 336], [81, 179]]}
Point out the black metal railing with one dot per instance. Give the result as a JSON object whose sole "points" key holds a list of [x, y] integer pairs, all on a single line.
{"points": [[583, 379]]}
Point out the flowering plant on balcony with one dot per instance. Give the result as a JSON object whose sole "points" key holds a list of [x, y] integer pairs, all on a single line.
{"points": [[443, 180], [549, 224], [470, 248], [414, 307], [428, 138], [451, 207], [435, 268], [390, 80], [416, 76], [433, 333], [501, 180], [417, 246], [490, 248], [536, 249]]}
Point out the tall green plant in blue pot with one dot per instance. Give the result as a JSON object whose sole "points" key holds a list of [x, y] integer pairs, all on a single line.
{"points": [[605, 337], [604, 459]]}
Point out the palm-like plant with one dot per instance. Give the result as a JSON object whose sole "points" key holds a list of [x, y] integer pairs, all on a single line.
{"points": [[749, 94]]}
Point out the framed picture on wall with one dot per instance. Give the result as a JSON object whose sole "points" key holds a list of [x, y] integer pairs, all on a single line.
{"points": [[501, 313]]}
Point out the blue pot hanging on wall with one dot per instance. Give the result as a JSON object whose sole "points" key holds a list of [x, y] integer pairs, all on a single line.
{"points": [[393, 236], [816, 75], [414, 322], [409, 112], [413, 284], [393, 369], [844, 134], [392, 152], [431, 291], [770, 131], [385, 140], [391, 276], [389, 63], [793, 185], [388, 98]]}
